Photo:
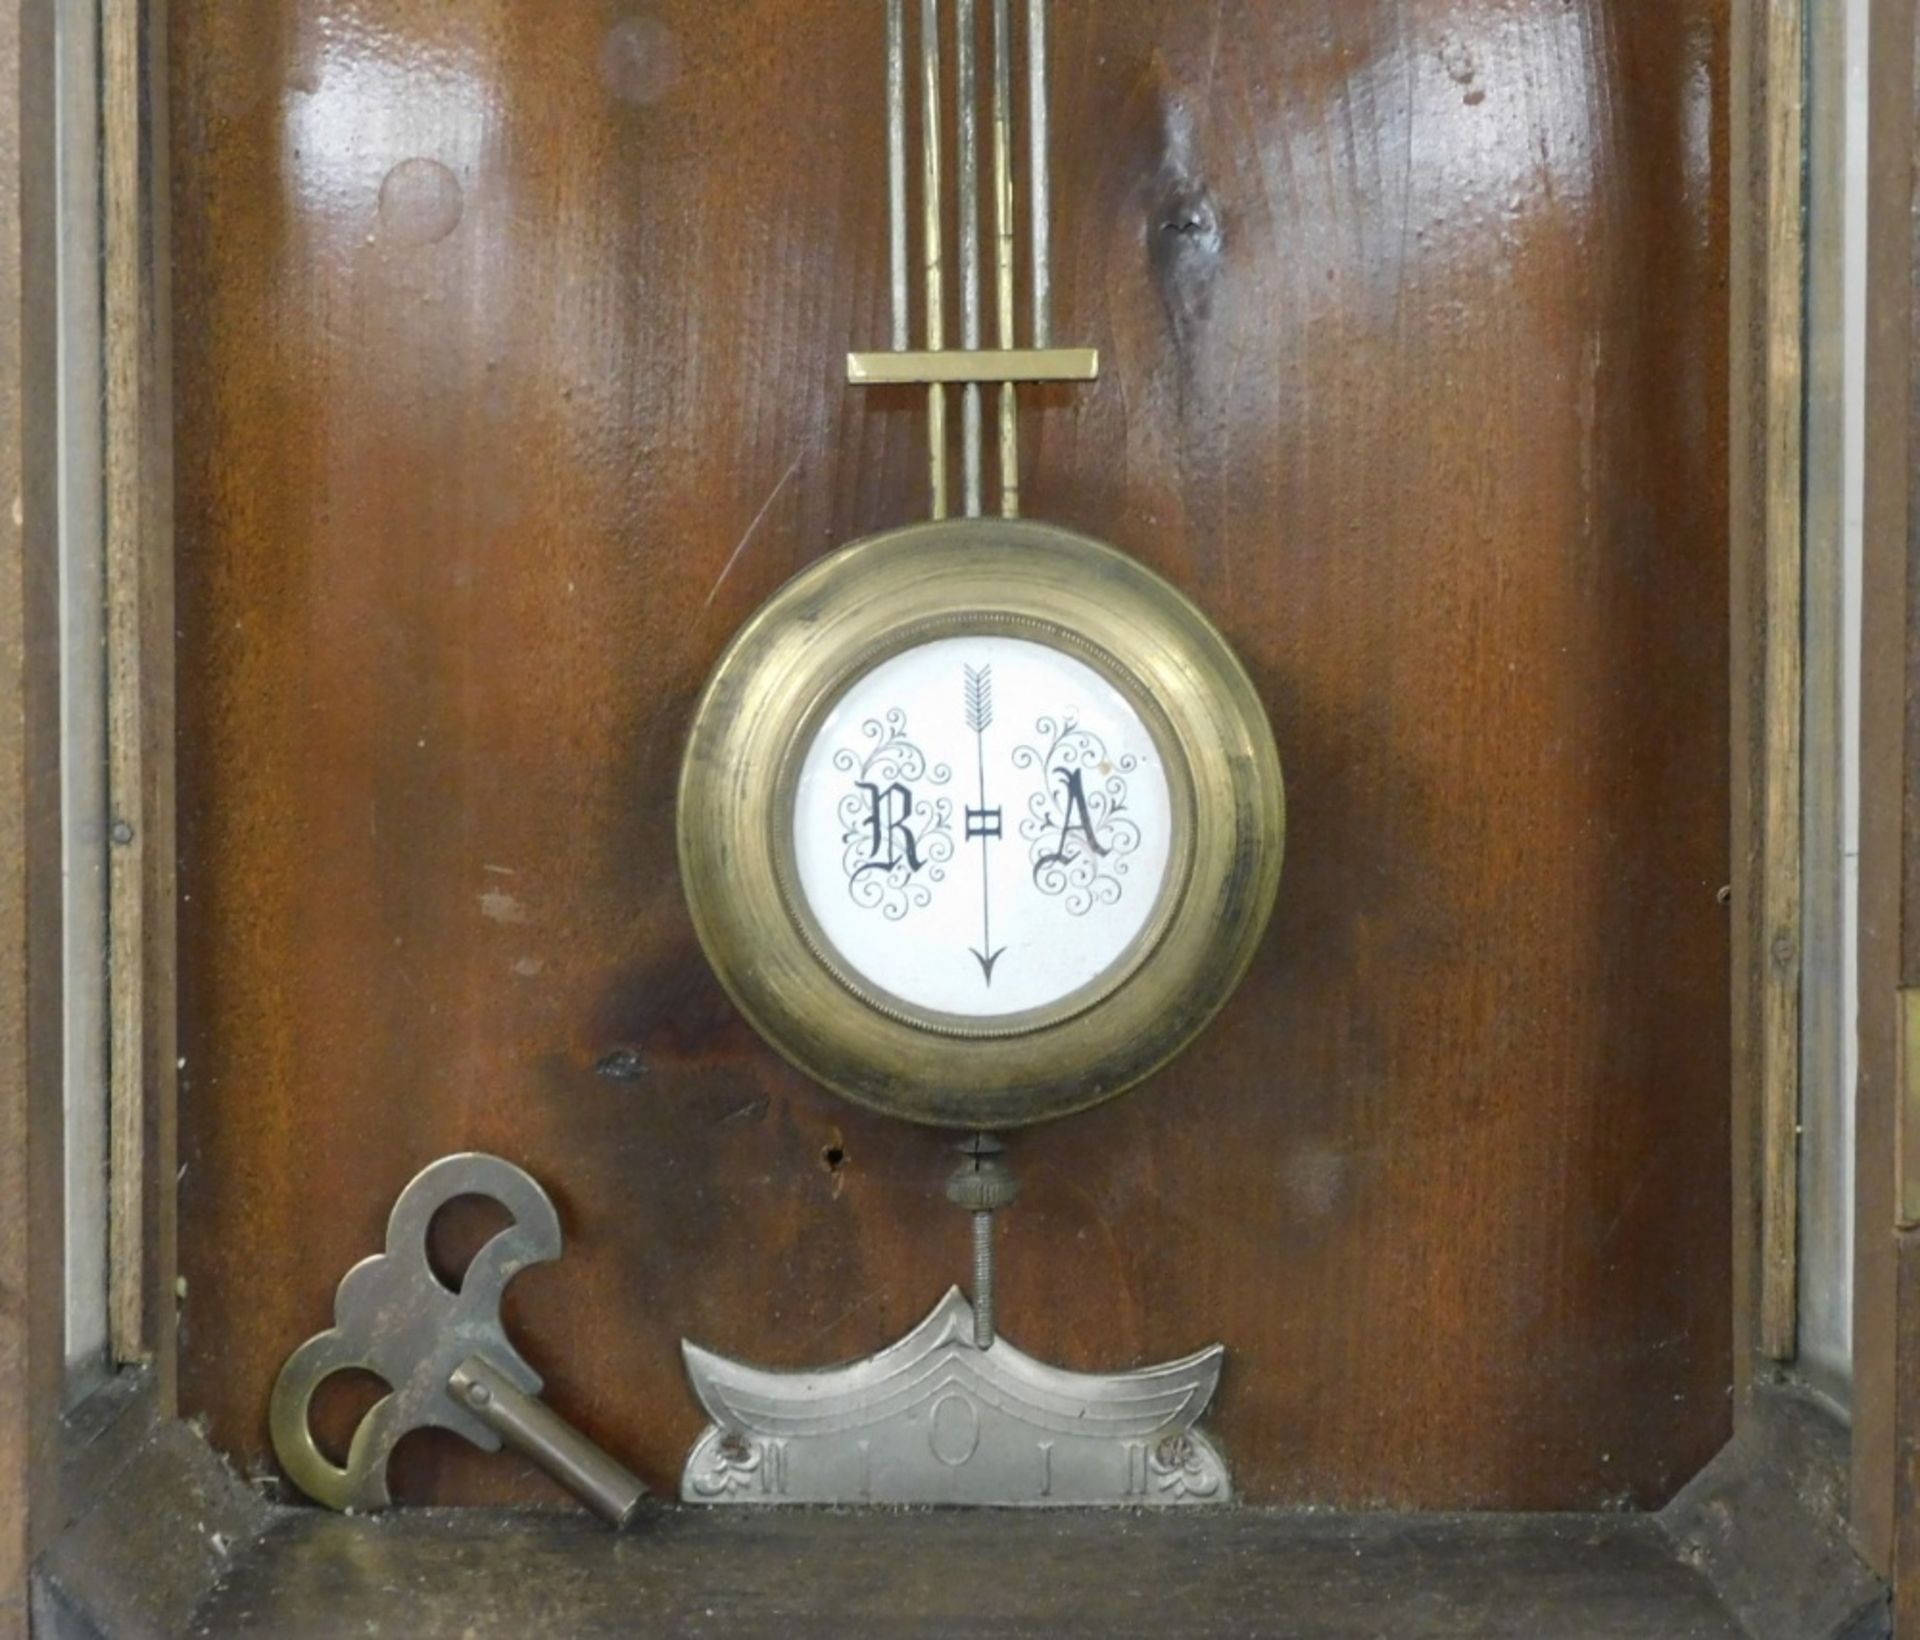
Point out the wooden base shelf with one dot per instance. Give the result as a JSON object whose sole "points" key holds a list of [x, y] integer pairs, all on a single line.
{"points": [[815, 1572]]}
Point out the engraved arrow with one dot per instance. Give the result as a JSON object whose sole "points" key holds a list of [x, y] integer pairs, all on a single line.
{"points": [[983, 822]]}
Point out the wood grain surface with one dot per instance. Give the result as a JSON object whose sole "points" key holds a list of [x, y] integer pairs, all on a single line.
{"points": [[1886, 1298], [33, 1490], [509, 345]]}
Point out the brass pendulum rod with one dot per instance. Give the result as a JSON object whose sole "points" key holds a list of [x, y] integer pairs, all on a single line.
{"points": [[1004, 232], [1039, 165], [936, 322], [969, 126], [970, 366], [897, 172]]}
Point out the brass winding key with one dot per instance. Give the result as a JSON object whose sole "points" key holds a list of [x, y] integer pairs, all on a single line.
{"points": [[444, 1354]]}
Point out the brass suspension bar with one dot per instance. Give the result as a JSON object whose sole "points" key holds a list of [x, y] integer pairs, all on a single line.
{"points": [[936, 321], [1039, 134], [897, 171], [1054, 364], [969, 127], [1004, 232]]}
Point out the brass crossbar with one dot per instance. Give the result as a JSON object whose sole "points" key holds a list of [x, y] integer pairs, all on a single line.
{"points": [[1025, 364]]}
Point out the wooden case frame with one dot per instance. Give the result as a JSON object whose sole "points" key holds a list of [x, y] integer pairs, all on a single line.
{"points": [[117, 1519]]}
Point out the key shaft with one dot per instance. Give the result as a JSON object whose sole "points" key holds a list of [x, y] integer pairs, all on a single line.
{"points": [[536, 1431]]}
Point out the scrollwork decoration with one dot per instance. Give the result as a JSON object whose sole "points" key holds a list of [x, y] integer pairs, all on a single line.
{"points": [[1077, 828], [896, 840]]}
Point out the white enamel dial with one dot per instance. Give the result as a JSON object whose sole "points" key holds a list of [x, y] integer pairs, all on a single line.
{"points": [[982, 829]]}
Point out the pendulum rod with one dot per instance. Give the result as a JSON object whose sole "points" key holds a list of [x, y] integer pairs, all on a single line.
{"points": [[1038, 185], [966, 52], [985, 1327], [897, 172], [971, 366], [983, 1185], [1004, 233], [936, 305]]}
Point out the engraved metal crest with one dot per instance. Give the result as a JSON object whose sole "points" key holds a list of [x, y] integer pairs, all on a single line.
{"points": [[935, 1419]]}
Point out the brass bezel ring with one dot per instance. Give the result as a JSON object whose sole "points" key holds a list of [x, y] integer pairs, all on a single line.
{"points": [[804, 648]]}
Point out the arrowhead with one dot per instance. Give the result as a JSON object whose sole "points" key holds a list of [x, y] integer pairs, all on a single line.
{"points": [[987, 962]]}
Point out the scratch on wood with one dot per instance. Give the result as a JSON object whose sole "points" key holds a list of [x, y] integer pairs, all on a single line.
{"points": [[758, 519], [877, 1295]]}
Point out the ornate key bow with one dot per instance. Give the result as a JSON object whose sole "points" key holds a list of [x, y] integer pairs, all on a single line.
{"points": [[444, 1354]]}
